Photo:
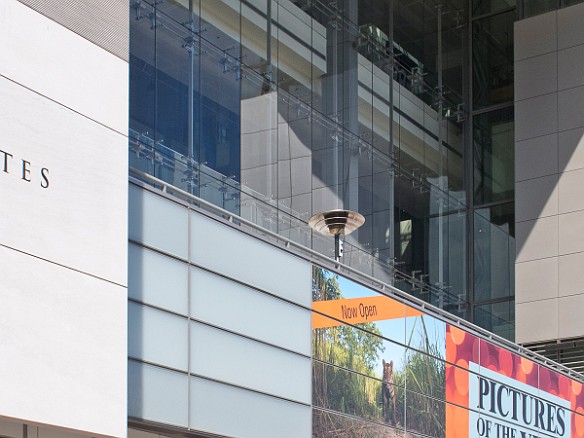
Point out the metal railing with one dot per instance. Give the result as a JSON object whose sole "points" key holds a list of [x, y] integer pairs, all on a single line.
{"points": [[212, 211]]}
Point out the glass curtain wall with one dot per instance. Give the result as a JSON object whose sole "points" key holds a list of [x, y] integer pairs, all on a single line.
{"points": [[493, 286], [279, 109]]}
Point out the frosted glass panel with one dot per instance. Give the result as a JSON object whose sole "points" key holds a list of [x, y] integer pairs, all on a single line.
{"points": [[157, 336], [157, 279], [234, 359], [247, 311], [225, 410], [218, 247], [158, 222], [156, 394]]}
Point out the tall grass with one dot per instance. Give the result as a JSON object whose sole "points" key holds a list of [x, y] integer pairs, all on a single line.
{"points": [[424, 377]]}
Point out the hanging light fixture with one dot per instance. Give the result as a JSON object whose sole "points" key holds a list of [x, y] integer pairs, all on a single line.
{"points": [[337, 223]]}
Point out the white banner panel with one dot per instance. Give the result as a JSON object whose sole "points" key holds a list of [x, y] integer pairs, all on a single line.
{"points": [[507, 408]]}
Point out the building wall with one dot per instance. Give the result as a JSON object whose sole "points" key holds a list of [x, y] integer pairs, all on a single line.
{"points": [[219, 325], [232, 333], [549, 147], [63, 222]]}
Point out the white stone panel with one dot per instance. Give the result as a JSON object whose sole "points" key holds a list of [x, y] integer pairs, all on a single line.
{"points": [[538, 75], [571, 323], [571, 149], [80, 220], [537, 239], [536, 197], [54, 61], [570, 114], [536, 116], [536, 157], [535, 36], [63, 339], [571, 186], [571, 232], [536, 280], [570, 29], [570, 67], [536, 321], [571, 274]]}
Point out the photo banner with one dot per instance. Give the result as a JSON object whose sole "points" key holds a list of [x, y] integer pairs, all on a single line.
{"points": [[383, 368], [504, 395], [358, 310]]}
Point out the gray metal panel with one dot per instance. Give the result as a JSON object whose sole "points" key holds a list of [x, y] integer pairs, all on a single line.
{"points": [[231, 411], [233, 359], [249, 312], [249, 260], [103, 22]]}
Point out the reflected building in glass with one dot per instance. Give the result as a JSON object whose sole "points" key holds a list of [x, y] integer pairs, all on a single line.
{"points": [[400, 110]]}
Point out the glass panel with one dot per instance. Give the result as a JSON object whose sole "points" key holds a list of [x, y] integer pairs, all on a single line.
{"points": [[176, 75], [357, 394], [158, 222], [142, 85], [498, 318], [229, 411], [426, 334], [326, 424], [357, 350], [462, 348], [157, 336], [425, 415], [483, 7], [157, 279], [278, 114], [494, 156], [225, 250], [537, 7], [566, 3], [258, 52], [156, 394], [457, 420], [249, 312], [494, 252], [505, 363], [214, 352], [493, 60]]}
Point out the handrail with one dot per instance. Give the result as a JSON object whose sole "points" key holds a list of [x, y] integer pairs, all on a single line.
{"points": [[213, 211]]}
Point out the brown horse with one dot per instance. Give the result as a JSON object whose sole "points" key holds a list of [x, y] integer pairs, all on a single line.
{"points": [[388, 391]]}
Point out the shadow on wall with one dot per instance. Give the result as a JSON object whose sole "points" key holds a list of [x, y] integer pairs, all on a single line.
{"points": [[545, 188]]}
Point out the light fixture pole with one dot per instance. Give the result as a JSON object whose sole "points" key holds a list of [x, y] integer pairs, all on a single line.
{"points": [[338, 223]]}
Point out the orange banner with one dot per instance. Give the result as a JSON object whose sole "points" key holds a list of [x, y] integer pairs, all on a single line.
{"points": [[358, 310]]}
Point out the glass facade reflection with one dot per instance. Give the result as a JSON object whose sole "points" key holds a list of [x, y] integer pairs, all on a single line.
{"points": [[384, 368], [276, 110]]}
